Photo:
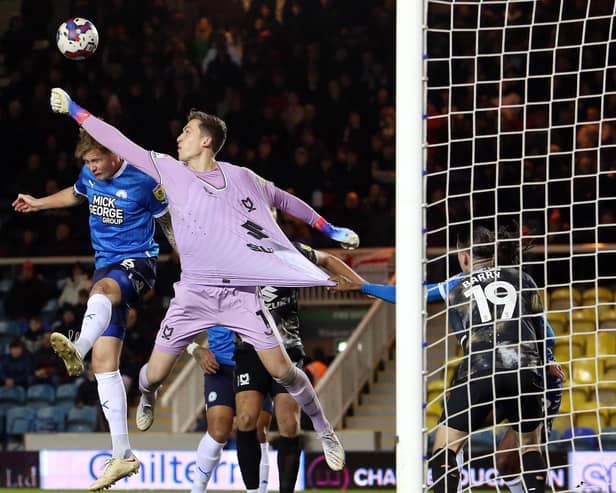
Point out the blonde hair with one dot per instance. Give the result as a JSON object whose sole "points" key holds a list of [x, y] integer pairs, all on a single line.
{"points": [[86, 143]]}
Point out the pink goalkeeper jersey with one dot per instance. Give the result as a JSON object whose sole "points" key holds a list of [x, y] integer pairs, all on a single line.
{"points": [[226, 235]]}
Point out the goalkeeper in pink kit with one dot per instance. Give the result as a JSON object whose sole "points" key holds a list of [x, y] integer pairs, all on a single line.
{"points": [[228, 244]]}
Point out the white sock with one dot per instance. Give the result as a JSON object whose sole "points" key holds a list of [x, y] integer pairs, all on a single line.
{"points": [[95, 322], [112, 395], [515, 485], [460, 463], [264, 468], [208, 457], [148, 392], [253, 491]]}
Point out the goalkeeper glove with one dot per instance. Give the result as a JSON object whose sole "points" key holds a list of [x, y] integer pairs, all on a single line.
{"points": [[348, 239], [62, 103]]}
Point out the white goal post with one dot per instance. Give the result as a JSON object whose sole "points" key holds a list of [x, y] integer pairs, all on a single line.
{"points": [[520, 131]]}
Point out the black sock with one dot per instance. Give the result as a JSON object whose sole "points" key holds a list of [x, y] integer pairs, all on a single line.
{"points": [[249, 457], [289, 451], [534, 479], [445, 474]]}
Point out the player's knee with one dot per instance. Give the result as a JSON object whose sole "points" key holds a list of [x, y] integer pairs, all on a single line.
{"points": [[109, 288], [288, 426], [219, 432], [445, 474], [246, 421]]}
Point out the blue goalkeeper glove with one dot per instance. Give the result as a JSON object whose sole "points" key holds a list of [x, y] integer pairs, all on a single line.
{"points": [[348, 239], [62, 103]]}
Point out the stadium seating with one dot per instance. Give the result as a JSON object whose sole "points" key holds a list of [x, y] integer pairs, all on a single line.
{"points": [[607, 319], [40, 395], [585, 371], [82, 419], [559, 322], [50, 418], [12, 396], [583, 321], [19, 420], [563, 298], [66, 394], [608, 438], [9, 329], [594, 296], [581, 438], [607, 393], [481, 442]]}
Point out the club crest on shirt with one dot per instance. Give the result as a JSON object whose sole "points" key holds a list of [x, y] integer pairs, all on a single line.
{"points": [[159, 193]]}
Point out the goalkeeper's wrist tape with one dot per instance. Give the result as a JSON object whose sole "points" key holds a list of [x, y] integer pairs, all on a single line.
{"points": [[77, 112], [324, 227], [190, 349]]}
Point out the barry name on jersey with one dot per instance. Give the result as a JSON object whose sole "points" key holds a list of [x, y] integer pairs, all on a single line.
{"points": [[105, 207], [486, 275]]}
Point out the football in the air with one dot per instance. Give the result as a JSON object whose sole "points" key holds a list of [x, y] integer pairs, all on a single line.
{"points": [[77, 38]]}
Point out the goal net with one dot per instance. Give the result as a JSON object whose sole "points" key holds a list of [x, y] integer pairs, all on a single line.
{"points": [[520, 132]]}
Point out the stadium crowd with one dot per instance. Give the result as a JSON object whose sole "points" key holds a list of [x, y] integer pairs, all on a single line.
{"points": [[540, 125], [306, 88]]}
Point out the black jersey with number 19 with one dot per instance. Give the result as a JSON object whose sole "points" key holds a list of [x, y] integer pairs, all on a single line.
{"points": [[496, 314]]}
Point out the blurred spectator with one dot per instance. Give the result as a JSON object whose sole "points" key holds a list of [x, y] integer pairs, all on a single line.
{"points": [[16, 367], [316, 366], [48, 367], [287, 75], [78, 280], [33, 336], [202, 39], [68, 324], [28, 294]]}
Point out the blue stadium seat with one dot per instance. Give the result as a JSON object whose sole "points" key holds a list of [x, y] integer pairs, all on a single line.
{"points": [[608, 438], [19, 420], [66, 393], [481, 442], [50, 418], [13, 396], [582, 438], [40, 395], [9, 328], [82, 419]]}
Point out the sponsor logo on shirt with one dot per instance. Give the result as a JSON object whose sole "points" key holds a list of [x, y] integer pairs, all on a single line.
{"points": [[105, 207], [159, 193]]}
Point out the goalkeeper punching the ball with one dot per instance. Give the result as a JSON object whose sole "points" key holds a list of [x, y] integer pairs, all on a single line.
{"points": [[229, 244]]}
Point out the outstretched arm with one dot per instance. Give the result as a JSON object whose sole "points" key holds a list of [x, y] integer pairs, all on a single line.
{"points": [[104, 133], [336, 266], [64, 198], [386, 292], [299, 209]]}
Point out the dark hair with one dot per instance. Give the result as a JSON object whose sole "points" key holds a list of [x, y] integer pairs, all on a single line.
{"points": [[482, 243], [507, 243], [212, 125]]}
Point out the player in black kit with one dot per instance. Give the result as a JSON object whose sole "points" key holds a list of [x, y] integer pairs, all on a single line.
{"points": [[497, 316], [253, 382]]}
